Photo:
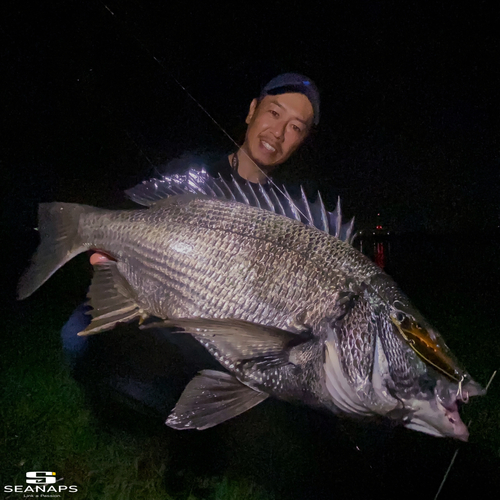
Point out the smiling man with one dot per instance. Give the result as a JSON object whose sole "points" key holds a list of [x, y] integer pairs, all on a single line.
{"points": [[278, 123]]}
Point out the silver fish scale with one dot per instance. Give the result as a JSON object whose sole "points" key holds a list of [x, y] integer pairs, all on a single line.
{"points": [[404, 366], [211, 258], [356, 344], [300, 379]]}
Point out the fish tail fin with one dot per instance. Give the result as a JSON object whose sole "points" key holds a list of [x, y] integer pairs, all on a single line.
{"points": [[59, 243]]}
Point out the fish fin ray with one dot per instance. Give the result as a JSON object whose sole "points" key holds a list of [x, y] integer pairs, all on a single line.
{"points": [[255, 199], [59, 243], [324, 224], [267, 199], [112, 299], [212, 397], [307, 207], [294, 211], [198, 182], [241, 340]]}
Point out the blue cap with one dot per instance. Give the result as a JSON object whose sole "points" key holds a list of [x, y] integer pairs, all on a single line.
{"points": [[293, 82]]}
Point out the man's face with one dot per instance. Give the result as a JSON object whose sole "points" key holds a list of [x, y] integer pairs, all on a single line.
{"points": [[277, 127]]}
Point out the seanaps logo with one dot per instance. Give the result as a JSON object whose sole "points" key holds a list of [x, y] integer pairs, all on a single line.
{"points": [[41, 484], [41, 477]]}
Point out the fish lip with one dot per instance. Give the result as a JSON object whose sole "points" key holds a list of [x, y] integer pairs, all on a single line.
{"points": [[421, 426], [460, 430], [417, 424], [439, 416]]}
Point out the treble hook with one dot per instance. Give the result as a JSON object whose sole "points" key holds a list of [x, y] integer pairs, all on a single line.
{"points": [[463, 396]]}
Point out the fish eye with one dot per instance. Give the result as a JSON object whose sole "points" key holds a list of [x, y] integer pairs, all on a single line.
{"points": [[400, 317]]}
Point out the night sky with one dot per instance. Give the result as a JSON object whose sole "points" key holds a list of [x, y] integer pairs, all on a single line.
{"points": [[410, 108]]}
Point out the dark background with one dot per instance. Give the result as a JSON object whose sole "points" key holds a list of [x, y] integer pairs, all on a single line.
{"points": [[409, 129], [409, 126]]}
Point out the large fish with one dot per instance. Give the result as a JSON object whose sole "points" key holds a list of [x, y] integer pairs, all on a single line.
{"points": [[288, 309]]}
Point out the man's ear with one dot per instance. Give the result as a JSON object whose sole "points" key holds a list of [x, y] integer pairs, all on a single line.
{"points": [[251, 111]]}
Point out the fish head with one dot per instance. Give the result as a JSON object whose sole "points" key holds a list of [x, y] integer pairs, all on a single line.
{"points": [[439, 415], [443, 385]]}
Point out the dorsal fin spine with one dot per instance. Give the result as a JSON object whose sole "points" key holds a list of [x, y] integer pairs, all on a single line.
{"points": [[198, 182]]}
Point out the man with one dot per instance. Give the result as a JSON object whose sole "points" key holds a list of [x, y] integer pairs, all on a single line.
{"points": [[278, 122]]}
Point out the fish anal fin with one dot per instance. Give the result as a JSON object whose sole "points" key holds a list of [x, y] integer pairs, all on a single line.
{"points": [[212, 397], [112, 299]]}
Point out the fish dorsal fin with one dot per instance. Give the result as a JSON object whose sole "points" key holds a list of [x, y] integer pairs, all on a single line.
{"points": [[199, 182], [212, 397], [112, 299]]}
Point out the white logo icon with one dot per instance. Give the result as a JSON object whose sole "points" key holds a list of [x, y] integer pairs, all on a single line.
{"points": [[40, 477]]}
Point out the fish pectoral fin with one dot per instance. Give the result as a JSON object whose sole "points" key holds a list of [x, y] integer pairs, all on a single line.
{"points": [[345, 303], [112, 299], [242, 341], [212, 397]]}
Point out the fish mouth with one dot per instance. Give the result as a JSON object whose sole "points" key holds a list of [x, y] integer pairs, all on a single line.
{"points": [[424, 427], [440, 420], [461, 433]]}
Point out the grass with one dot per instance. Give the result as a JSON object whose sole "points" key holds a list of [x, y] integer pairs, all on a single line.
{"points": [[274, 451], [47, 425], [48, 422]]}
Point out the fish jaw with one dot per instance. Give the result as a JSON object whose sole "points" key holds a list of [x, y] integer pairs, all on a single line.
{"points": [[432, 417], [438, 416]]}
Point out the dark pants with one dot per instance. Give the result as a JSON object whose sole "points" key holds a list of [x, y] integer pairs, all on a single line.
{"points": [[145, 369]]}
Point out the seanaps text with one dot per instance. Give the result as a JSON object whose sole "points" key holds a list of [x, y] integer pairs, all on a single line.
{"points": [[41, 490]]}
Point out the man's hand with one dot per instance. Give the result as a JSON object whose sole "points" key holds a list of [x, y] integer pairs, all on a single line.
{"points": [[98, 258]]}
